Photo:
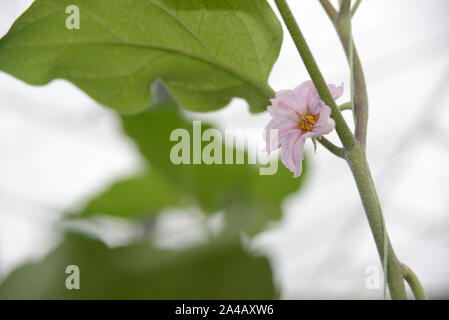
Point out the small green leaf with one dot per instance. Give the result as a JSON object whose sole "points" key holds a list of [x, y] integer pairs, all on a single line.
{"points": [[206, 52]]}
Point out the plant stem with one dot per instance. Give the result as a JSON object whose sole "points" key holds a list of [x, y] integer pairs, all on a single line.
{"points": [[345, 106], [357, 162], [355, 156], [329, 8], [355, 7], [339, 152], [344, 22], [341, 22], [413, 282], [360, 97]]}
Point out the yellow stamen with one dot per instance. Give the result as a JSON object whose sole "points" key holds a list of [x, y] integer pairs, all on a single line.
{"points": [[307, 121]]}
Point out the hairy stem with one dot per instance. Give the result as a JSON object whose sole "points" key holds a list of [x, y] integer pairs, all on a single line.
{"points": [[355, 7], [339, 152], [341, 21], [357, 162], [329, 8], [414, 283], [354, 153], [346, 106]]}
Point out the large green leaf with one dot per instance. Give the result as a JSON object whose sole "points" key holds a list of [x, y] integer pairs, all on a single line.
{"points": [[205, 51], [218, 270]]}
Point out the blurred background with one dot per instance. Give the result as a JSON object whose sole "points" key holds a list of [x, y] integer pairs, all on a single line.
{"points": [[58, 149]]}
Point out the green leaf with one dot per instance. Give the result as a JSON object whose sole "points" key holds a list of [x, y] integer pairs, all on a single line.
{"points": [[206, 52], [136, 197], [218, 270], [248, 199]]}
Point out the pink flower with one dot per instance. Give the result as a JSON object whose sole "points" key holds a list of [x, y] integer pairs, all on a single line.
{"points": [[298, 114]]}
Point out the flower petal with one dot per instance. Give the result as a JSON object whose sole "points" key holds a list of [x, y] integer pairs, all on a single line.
{"points": [[292, 153], [314, 100], [284, 101], [275, 130], [336, 92], [303, 92], [278, 110]]}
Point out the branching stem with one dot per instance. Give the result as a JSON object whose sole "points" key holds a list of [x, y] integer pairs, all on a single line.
{"points": [[353, 146], [339, 152], [414, 283]]}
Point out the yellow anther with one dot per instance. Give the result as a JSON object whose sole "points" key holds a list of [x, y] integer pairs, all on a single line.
{"points": [[306, 122], [308, 126]]}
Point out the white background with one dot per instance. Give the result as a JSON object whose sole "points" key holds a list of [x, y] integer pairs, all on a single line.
{"points": [[57, 147]]}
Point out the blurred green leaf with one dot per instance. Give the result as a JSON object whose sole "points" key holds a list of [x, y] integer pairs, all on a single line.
{"points": [[136, 197], [249, 200], [218, 270], [206, 52]]}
